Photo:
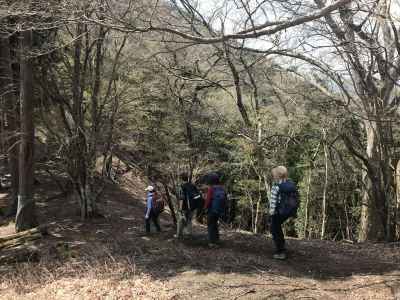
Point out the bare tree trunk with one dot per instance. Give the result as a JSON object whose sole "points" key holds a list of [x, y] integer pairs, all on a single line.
{"points": [[26, 217], [236, 80], [307, 203], [11, 117], [13, 162], [255, 229], [94, 134], [256, 220], [397, 211], [78, 145], [348, 225], [169, 202], [15, 124], [251, 211], [324, 217], [108, 147], [372, 222], [258, 206]]}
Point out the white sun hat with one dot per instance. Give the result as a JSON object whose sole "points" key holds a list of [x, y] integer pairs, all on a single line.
{"points": [[150, 188]]}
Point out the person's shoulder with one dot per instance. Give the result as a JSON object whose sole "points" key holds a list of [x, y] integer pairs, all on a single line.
{"points": [[287, 185], [291, 182]]}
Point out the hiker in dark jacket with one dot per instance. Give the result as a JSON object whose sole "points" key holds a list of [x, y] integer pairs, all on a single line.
{"points": [[279, 214], [189, 200], [215, 205], [151, 213]]}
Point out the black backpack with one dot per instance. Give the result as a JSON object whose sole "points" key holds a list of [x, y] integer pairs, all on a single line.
{"points": [[289, 199], [192, 196]]}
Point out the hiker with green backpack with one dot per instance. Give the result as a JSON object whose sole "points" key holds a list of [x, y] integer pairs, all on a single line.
{"points": [[284, 202], [190, 200]]}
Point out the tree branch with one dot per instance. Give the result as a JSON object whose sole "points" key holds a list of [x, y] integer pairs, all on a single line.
{"points": [[261, 30]]}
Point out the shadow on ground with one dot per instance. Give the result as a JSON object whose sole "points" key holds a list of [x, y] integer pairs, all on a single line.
{"points": [[120, 232]]}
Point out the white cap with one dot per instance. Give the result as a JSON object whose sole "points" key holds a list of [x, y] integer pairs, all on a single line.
{"points": [[150, 188]]}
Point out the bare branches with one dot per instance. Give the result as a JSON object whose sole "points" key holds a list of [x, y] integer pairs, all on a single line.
{"points": [[236, 80], [265, 29]]}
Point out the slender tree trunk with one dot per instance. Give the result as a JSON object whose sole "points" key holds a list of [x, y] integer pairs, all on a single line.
{"points": [[108, 148], [15, 124], [343, 197], [169, 202], [251, 211], [307, 203], [79, 149], [11, 119], [258, 206], [348, 226], [13, 162], [397, 211], [255, 230], [94, 133], [324, 217], [26, 217]]}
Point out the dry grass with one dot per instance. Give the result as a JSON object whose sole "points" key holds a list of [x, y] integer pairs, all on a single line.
{"points": [[122, 279], [79, 279]]}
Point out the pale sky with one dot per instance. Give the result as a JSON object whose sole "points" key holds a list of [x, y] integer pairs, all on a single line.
{"points": [[294, 38]]}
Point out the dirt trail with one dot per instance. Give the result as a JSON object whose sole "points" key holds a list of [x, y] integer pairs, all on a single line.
{"points": [[111, 258]]}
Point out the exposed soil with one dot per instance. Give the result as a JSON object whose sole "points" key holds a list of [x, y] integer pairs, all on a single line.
{"points": [[109, 257]]}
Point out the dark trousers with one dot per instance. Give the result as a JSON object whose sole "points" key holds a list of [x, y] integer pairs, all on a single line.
{"points": [[212, 225], [153, 217], [276, 231]]}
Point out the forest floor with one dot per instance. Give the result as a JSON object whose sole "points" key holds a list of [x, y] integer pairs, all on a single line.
{"points": [[110, 258]]}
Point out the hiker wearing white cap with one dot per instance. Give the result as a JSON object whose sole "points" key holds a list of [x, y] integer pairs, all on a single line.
{"points": [[152, 212]]}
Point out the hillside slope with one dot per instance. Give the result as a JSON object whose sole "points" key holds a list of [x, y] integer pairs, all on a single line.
{"points": [[111, 258]]}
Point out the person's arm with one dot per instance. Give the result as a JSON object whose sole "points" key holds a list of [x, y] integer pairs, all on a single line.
{"points": [[273, 199], [149, 205], [207, 203]]}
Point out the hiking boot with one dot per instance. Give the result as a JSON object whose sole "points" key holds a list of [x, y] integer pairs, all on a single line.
{"points": [[280, 256]]}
